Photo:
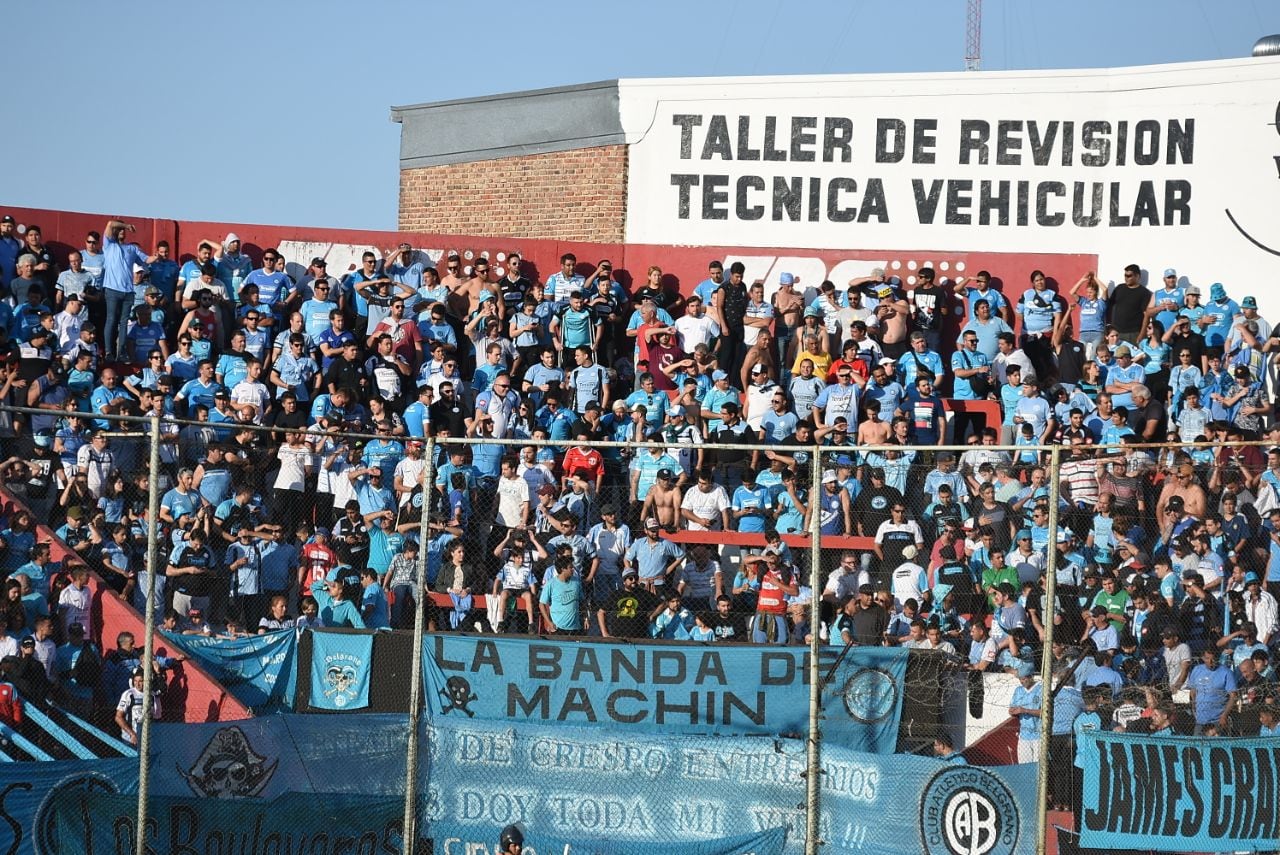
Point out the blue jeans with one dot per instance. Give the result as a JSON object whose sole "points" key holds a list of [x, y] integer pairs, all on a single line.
{"points": [[115, 340]]}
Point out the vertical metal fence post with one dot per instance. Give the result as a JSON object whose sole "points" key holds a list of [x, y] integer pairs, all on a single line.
{"points": [[415, 673], [813, 777], [149, 644], [1048, 608]]}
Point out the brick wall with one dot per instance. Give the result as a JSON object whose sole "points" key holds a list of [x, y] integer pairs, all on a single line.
{"points": [[569, 195]]}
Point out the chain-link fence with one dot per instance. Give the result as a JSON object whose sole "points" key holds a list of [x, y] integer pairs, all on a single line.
{"points": [[996, 576]]}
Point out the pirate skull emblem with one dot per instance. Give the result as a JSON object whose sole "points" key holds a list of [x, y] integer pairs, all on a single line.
{"points": [[340, 679], [229, 768], [457, 691]]}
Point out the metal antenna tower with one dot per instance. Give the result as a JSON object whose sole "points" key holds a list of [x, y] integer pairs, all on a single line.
{"points": [[973, 36]]}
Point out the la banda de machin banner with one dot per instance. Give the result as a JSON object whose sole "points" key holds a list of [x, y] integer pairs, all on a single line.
{"points": [[1163, 166], [691, 689]]}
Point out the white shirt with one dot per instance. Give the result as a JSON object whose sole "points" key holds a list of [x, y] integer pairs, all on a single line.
{"points": [[293, 467], [409, 471], [513, 493], [705, 505], [247, 392], [845, 582], [1262, 614], [692, 331], [906, 582]]}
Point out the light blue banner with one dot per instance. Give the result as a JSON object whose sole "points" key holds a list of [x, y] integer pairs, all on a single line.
{"points": [[1180, 794], [26, 824], [259, 671], [104, 824], [459, 840], [340, 670], [592, 784], [690, 689], [591, 788], [274, 755]]}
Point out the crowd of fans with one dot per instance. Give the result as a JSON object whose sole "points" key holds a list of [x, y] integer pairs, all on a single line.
{"points": [[295, 410]]}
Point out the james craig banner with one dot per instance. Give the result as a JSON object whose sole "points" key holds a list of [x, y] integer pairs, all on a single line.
{"points": [[1180, 794], [692, 689]]}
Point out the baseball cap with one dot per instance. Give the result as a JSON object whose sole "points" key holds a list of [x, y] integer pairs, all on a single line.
{"points": [[786, 279], [759, 368], [1026, 669], [909, 551], [29, 641], [607, 509], [866, 589], [1123, 350], [319, 262], [1064, 536], [152, 291], [844, 460], [885, 360], [1249, 303], [638, 408], [138, 268], [630, 571], [1192, 289], [1169, 271], [7, 218], [485, 294], [719, 374], [666, 475], [651, 522]]}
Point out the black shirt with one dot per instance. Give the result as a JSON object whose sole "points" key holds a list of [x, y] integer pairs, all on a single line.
{"points": [[1127, 307], [627, 614], [869, 625], [449, 414], [734, 307]]}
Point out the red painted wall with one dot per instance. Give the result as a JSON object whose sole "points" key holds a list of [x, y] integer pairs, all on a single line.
{"points": [[685, 265], [191, 695]]}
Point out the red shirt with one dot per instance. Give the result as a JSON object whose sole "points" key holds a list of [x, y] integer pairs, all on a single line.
{"points": [[10, 705], [772, 599], [318, 560], [580, 457]]}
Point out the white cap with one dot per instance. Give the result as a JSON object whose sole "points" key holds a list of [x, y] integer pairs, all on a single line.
{"points": [[138, 268], [909, 552], [829, 477]]}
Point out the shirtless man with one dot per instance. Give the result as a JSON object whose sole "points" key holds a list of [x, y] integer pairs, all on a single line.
{"points": [[453, 281], [788, 306], [873, 430], [892, 317], [470, 290], [663, 502], [1184, 484]]}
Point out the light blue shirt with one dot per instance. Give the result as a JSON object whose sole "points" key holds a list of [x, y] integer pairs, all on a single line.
{"points": [[118, 261]]}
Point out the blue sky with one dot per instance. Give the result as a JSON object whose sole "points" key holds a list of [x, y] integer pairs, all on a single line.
{"points": [[277, 112]]}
